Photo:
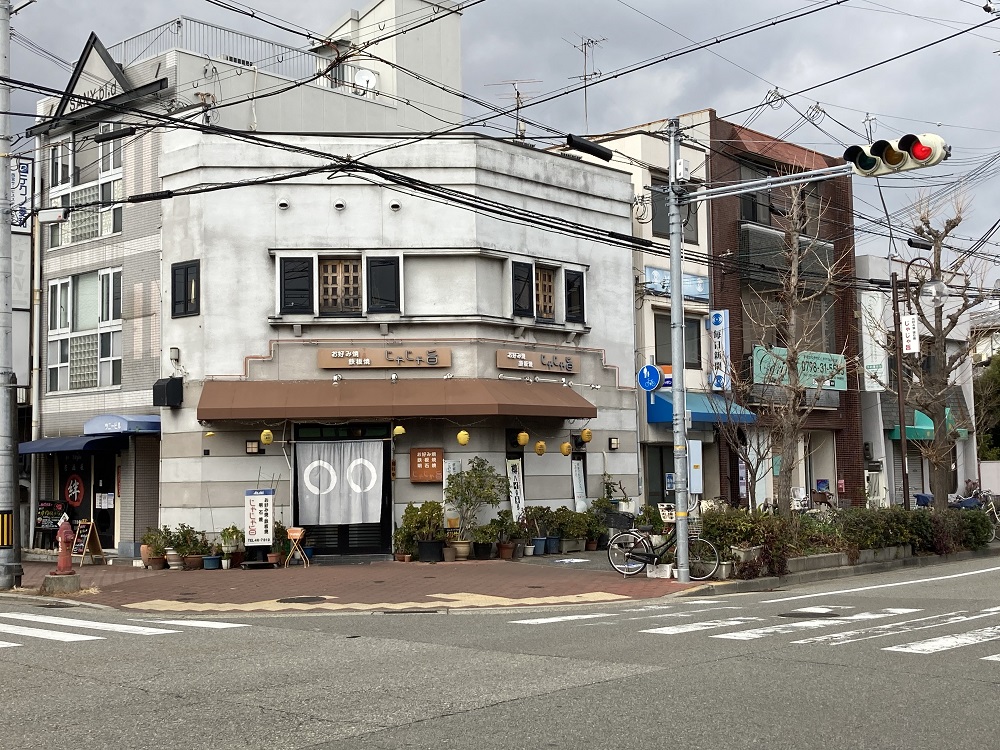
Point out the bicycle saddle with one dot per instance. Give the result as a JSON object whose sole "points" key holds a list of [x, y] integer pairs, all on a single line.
{"points": [[645, 529]]}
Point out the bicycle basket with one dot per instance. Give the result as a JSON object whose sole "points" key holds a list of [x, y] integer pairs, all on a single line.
{"points": [[694, 526], [667, 512], [618, 520]]}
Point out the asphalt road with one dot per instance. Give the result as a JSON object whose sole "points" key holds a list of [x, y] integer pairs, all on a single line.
{"points": [[907, 659]]}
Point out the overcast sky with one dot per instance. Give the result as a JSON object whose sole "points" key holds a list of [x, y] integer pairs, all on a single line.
{"points": [[947, 89]]}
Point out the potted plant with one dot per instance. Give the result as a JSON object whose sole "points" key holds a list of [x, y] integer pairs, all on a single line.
{"points": [[468, 492], [404, 541], [213, 560], [232, 537], [538, 518], [191, 545], [279, 544], [428, 525], [154, 549], [483, 538]]}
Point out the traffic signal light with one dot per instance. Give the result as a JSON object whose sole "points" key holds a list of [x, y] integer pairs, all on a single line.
{"points": [[888, 157]]}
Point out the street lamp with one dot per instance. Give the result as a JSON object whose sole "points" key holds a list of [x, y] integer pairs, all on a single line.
{"points": [[935, 290]]}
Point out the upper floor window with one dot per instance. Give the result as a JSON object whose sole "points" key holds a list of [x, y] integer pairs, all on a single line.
{"points": [[692, 341], [545, 296], [185, 289], [383, 285], [574, 297], [537, 290], [85, 331], [524, 296], [756, 206], [334, 286], [339, 286]]}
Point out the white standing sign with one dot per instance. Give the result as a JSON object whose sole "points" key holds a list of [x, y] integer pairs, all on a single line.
{"points": [[579, 485], [515, 476], [259, 516], [910, 331], [876, 359]]}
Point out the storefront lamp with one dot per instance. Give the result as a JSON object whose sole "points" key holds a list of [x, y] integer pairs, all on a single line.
{"points": [[586, 435], [540, 447], [522, 438], [266, 437], [566, 448], [463, 438], [398, 430]]}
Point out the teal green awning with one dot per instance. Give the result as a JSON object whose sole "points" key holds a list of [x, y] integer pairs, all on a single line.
{"points": [[923, 428]]}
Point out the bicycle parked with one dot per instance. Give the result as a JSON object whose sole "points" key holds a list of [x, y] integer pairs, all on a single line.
{"points": [[630, 551], [991, 511]]}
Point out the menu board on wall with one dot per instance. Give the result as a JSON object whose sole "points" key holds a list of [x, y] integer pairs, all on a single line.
{"points": [[426, 464]]}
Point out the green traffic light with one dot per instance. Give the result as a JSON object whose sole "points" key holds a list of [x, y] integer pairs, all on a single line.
{"points": [[866, 162]]}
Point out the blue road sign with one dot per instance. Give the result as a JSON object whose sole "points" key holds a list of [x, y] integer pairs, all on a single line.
{"points": [[650, 377]]}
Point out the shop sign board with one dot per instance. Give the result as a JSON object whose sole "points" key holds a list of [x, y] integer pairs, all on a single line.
{"points": [[816, 369], [718, 327], [566, 364], [48, 514], [515, 477], [426, 464], [373, 358], [258, 517]]}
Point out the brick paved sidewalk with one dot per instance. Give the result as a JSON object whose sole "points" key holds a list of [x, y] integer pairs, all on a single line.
{"points": [[366, 587]]}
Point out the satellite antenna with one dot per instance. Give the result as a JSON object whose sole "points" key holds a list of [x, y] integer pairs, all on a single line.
{"points": [[364, 81]]}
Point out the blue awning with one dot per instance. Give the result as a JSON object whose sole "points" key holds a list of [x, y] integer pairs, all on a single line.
{"points": [[116, 424], [71, 444], [704, 407]]}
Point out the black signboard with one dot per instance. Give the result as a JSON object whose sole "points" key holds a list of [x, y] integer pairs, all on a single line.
{"points": [[49, 513]]}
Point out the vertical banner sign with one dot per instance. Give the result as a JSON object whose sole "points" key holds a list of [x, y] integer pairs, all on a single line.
{"points": [[515, 475], [910, 334], [21, 203], [258, 516], [718, 327], [579, 485], [696, 470], [449, 469], [876, 359]]}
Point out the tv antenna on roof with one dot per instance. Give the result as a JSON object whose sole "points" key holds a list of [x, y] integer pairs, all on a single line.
{"points": [[519, 97], [586, 44]]}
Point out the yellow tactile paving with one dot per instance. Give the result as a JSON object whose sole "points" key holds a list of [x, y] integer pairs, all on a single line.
{"points": [[453, 601]]}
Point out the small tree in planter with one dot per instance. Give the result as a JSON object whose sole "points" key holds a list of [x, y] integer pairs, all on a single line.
{"points": [[472, 489]]}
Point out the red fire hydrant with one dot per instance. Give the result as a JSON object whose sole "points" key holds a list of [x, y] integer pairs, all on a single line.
{"points": [[65, 535]]}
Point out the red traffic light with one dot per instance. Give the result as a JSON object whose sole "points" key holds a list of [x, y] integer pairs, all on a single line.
{"points": [[888, 157]]}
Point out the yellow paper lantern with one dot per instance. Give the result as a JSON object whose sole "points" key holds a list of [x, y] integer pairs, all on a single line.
{"points": [[398, 430], [522, 438], [565, 449], [266, 437], [463, 438], [586, 435], [540, 447]]}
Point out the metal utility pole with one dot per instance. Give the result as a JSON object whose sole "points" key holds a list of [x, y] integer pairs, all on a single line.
{"points": [[897, 328], [10, 562], [677, 350]]}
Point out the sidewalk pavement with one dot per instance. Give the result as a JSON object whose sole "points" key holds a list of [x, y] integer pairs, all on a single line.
{"points": [[369, 587]]}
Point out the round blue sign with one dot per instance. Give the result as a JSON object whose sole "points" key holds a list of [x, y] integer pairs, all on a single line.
{"points": [[649, 377]]}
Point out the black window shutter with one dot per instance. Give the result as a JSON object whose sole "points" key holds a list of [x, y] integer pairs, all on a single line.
{"points": [[383, 285], [296, 285], [524, 289], [575, 311]]}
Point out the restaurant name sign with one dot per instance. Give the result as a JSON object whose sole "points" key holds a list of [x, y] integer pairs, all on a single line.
{"points": [[538, 361], [372, 358]]}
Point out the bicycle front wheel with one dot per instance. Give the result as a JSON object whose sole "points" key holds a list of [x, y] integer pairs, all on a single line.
{"points": [[620, 548], [703, 559]]}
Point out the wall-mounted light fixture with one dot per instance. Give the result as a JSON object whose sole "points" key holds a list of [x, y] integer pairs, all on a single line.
{"points": [[337, 378], [175, 354], [398, 430], [394, 378], [613, 444], [209, 434], [253, 446]]}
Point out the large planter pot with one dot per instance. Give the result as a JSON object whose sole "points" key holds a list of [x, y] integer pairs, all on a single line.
{"points": [[212, 562], [226, 562], [194, 562], [505, 550], [430, 552], [529, 549], [725, 570], [571, 545], [483, 550], [538, 543], [144, 554], [157, 563], [591, 545], [462, 549], [746, 555], [552, 545], [274, 558], [175, 561], [450, 554]]}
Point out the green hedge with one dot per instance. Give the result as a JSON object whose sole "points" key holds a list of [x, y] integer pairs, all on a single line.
{"points": [[843, 531]]}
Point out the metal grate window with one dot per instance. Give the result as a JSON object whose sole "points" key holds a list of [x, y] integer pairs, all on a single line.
{"points": [[339, 286]]}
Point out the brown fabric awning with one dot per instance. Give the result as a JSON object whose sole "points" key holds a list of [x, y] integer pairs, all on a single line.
{"points": [[383, 399]]}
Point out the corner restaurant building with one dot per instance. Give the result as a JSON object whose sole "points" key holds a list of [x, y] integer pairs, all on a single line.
{"points": [[331, 327]]}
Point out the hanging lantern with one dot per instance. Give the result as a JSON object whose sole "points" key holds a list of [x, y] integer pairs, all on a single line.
{"points": [[566, 449], [463, 438], [266, 437], [586, 435], [398, 430], [540, 447], [522, 438]]}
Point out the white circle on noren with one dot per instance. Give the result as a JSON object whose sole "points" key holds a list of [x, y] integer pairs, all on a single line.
{"points": [[350, 474], [307, 474]]}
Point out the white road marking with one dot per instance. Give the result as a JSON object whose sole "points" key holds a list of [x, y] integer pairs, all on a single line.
{"points": [[879, 586], [8, 644], [86, 624], [898, 628], [49, 635], [564, 618], [995, 657], [197, 623], [791, 627], [688, 613], [693, 627], [947, 642], [821, 610]]}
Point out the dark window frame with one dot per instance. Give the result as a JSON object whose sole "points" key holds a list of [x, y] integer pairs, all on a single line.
{"points": [[304, 296], [662, 351], [181, 305], [523, 289], [576, 309], [378, 298]]}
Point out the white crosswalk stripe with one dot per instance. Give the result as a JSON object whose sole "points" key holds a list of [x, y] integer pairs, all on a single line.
{"points": [[7, 644], [211, 624], [564, 618], [792, 627], [693, 627], [898, 628], [86, 624], [49, 635], [948, 642]]}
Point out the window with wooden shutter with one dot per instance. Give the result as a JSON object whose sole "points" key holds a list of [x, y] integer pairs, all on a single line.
{"points": [[339, 286], [545, 299]]}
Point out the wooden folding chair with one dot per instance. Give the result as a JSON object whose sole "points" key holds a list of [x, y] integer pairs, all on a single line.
{"points": [[296, 534]]}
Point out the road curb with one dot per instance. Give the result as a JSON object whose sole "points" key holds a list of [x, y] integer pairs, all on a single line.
{"points": [[770, 583], [38, 598]]}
